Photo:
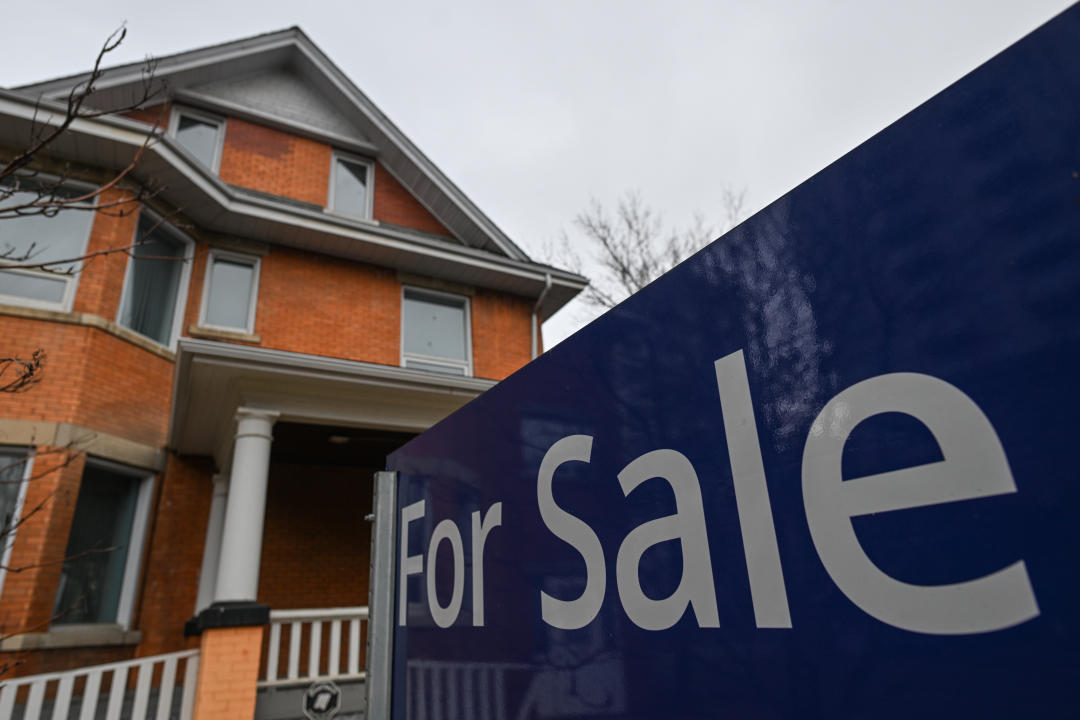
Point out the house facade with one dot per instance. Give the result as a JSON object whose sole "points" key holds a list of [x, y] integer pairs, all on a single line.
{"points": [[191, 479]]}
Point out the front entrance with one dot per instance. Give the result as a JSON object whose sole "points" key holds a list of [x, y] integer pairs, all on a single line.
{"points": [[314, 572]]}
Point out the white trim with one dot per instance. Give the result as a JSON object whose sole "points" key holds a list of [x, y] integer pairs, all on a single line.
{"points": [[467, 365], [182, 285], [216, 121], [253, 290], [369, 201], [139, 522], [16, 512]]}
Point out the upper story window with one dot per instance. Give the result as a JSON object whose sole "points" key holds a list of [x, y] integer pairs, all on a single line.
{"points": [[152, 303], [104, 548], [230, 291], [201, 135], [35, 239], [435, 332], [350, 186]]}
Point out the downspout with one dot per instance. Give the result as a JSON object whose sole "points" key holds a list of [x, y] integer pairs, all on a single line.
{"points": [[536, 311]]}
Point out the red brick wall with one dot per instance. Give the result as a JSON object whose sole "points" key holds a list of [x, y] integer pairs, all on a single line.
{"points": [[321, 305], [153, 115], [316, 545], [394, 204], [102, 277], [502, 335], [37, 554], [275, 162], [173, 556], [91, 378]]}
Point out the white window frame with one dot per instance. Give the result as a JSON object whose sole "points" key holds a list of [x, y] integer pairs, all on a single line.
{"points": [[140, 522], [182, 287], [217, 121], [72, 280], [338, 155], [467, 365], [16, 513], [239, 258]]}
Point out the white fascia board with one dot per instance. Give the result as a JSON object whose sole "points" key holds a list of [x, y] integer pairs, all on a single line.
{"points": [[115, 76]]}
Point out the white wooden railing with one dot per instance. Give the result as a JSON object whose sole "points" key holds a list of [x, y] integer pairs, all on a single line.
{"points": [[58, 690], [296, 641]]}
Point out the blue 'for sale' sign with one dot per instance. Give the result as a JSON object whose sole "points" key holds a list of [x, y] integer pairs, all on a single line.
{"points": [[826, 468]]}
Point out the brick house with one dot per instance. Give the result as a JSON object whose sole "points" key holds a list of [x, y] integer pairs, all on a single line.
{"points": [[330, 294]]}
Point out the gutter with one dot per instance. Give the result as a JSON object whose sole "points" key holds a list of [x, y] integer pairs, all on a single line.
{"points": [[536, 311]]}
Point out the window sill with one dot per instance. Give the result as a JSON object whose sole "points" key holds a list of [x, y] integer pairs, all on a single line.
{"points": [[72, 637], [199, 331]]}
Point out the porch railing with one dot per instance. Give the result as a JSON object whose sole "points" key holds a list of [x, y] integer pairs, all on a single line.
{"points": [[78, 693], [316, 644]]}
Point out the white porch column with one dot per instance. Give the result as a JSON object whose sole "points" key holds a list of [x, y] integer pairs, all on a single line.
{"points": [[241, 542], [215, 526]]}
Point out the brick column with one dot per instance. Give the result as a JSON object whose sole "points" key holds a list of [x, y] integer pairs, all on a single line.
{"points": [[232, 626], [228, 672]]}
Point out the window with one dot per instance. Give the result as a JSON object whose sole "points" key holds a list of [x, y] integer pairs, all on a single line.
{"points": [[156, 285], [104, 547], [230, 291], [435, 332], [201, 135], [15, 467], [350, 187], [42, 239]]}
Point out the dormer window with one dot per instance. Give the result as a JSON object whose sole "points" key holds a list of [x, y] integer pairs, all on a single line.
{"points": [[350, 186], [201, 135]]}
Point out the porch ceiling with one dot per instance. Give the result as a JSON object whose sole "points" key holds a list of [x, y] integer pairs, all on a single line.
{"points": [[214, 379]]}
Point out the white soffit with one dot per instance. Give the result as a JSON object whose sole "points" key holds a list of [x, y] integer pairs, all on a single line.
{"points": [[213, 379]]}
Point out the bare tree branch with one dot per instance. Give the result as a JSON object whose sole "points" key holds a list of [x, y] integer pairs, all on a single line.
{"points": [[632, 247], [18, 375]]}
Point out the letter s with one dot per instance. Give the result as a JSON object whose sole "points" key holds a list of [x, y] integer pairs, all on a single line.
{"points": [[571, 614]]}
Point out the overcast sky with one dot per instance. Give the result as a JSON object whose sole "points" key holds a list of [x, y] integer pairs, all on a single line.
{"points": [[533, 108]]}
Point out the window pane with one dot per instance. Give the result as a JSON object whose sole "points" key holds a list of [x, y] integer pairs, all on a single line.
{"points": [[32, 286], [350, 188], [228, 301], [45, 239], [93, 574], [434, 326], [199, 138], [153, 283], [12, 466]]}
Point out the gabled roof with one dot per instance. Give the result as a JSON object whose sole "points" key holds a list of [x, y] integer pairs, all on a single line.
{"points": [[283, 79]]}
